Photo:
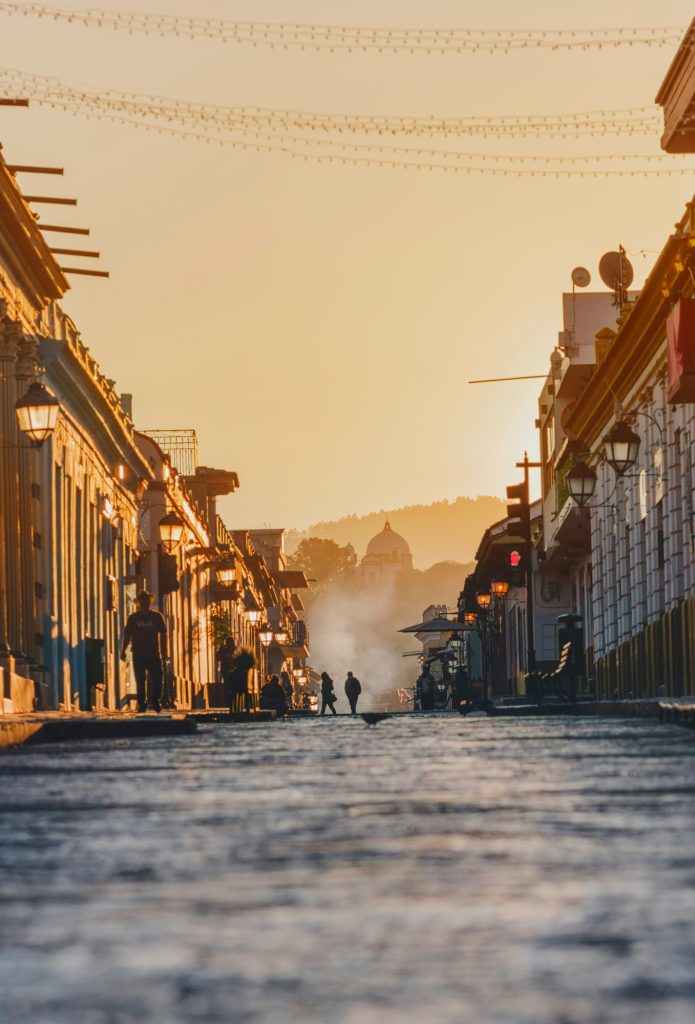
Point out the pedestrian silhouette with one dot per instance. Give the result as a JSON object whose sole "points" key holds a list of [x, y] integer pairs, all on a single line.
{"points": [[273, 697], [426, 688], [146, 633], [328, 697], [224, 658], [286, 684], [353, 689]]}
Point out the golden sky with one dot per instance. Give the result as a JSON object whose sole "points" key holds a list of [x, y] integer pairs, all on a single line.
{"points": [[317, 323]]}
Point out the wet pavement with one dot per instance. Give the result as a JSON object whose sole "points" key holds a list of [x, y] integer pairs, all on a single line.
{"points": [[426, 871]]}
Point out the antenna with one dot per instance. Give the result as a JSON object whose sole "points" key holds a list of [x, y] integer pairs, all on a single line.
{"points": [[616, 272], [580, 279]]}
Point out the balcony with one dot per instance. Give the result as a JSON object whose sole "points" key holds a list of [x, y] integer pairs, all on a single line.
{"points": [[297, 644]]}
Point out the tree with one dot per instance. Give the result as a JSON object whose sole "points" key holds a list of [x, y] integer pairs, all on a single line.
{"points": [[321, 559]]}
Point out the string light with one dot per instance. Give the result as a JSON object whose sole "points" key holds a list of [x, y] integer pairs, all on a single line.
{"points": [[355, 159], [630, 121], [269, 130], [426, 41]]}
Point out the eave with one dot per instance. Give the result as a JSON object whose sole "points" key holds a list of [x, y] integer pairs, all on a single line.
{"points": [[23, 249], [677, 97]]}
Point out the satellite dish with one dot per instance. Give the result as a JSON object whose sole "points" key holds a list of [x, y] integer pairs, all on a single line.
{"points": [[616, 271], [581, 277]]}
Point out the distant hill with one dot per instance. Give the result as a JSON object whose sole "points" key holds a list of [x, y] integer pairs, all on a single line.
{"points": [[440, 532]]}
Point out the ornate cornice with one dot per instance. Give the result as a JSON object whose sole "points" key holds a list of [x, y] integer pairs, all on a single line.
{"points": [[640, 342]]}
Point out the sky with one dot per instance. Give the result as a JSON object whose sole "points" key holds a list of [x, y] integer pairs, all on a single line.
{"points": [[317, 323]]}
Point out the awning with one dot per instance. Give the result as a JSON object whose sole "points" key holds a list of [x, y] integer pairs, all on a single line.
{"points": [[438, 625], [291, 579]]}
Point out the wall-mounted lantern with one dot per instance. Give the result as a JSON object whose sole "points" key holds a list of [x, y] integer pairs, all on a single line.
{"points": [[37, 413], [171, 530]]}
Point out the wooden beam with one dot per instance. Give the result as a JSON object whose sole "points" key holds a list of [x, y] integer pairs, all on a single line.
{"points": [[64, 230], [499, 380], [28, 169], [13, 103], [50, 199], [87, 273], [76, 252]]}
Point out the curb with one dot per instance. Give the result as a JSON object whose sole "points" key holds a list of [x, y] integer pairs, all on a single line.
{"points": [[29, 733]]}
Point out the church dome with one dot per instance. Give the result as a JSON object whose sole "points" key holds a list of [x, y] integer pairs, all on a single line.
{"points": [[388, 543]]}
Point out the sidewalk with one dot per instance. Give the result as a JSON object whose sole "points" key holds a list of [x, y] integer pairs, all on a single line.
{"points": [[57, 726]]}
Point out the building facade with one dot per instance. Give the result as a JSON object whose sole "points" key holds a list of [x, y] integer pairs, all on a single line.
{"points": [[68, 509]]}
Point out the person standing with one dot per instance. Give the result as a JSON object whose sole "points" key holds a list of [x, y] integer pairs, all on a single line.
{"points": [[353, 689], [426, 687], [286, 684], [146, 633], [224, 659], [328, 697]]}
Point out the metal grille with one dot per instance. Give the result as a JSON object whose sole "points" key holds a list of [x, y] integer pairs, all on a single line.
{"points": [[180, 445]]}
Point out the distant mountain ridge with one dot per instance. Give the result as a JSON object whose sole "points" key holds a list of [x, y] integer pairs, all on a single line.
{"points": [[443, 531]]}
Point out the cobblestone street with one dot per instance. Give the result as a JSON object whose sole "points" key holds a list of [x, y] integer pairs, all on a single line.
{"points": [[427, 870]]}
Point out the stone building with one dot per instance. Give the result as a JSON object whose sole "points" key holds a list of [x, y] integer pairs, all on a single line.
{"points": [[68, 509], [387, 555]]}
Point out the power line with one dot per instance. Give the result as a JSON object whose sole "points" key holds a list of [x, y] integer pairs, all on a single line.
{"points": [[351, 38]]}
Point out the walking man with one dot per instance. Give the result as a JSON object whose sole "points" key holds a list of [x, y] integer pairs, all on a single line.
{"points": [[146, 633], [353, 688]]}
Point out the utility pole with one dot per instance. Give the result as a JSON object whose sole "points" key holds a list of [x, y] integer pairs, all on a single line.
{"points": [[520, 512]]}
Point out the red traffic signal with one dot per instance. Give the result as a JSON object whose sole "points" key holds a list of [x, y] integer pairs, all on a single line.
{"points": [[515, 559]]}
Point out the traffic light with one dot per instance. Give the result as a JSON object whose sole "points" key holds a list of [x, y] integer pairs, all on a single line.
{"points": [[168, 573], [516, 559], [519, 512]]}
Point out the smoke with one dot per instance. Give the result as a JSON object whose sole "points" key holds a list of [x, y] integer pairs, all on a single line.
{"points": [[356, 630]]}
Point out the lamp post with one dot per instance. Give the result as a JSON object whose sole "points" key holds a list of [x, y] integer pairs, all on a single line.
{"points": [[499, 588], [37, 413], [470, 618], [484, 599]]}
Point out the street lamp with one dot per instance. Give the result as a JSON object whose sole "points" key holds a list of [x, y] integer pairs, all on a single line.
{"points": [[226, 572], [500, 588], [281, 636], [470, 618], [484, 599], [265, 635], [170, 531], [37, 413], [622, 447], [581, 483]]}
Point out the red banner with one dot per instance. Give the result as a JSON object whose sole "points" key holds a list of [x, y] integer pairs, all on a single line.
{"points": [[680, 331]]}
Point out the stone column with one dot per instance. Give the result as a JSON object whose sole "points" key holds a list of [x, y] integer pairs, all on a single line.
{"points": [[27, 372], [10, 336]]}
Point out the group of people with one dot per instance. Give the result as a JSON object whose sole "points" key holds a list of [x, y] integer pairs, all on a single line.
{"points": [[277, 694], [146, 634], [353, 689]]}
